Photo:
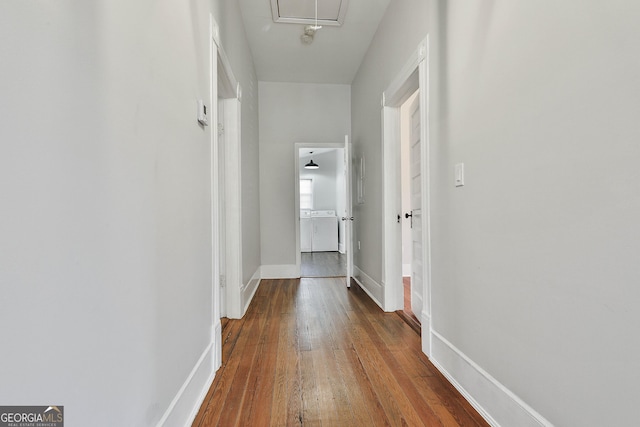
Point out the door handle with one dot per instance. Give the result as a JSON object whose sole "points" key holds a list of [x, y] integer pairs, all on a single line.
{"points": [[409, 215], [344, 218]]}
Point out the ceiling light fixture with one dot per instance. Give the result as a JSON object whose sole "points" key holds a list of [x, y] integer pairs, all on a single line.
{"points": [[311, 164], [310, 30], [307, 37]]}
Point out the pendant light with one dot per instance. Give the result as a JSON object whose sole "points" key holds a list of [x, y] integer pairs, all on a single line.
{"points": [[311, 164]]}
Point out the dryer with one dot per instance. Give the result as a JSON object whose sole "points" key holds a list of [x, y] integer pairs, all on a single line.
{"points": [[324, 231]]}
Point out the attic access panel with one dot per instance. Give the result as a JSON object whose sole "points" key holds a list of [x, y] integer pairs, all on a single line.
{"points": [[330, 12]]}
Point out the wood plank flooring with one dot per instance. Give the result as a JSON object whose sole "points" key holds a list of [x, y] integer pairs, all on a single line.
{"points": [[407, 314], [309, 352], [323, 264]]}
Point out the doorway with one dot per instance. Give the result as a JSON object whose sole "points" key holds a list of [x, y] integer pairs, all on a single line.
{"points": [[410, 171], [413, 77], [226, 237], [322, 210]]}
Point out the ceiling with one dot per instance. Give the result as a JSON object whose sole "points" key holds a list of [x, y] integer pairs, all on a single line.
{"points": [[333, 57], [306, 152]]}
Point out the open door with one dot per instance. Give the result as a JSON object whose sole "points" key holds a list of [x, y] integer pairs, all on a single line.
{"points": [[348, 214], [417, 271]]}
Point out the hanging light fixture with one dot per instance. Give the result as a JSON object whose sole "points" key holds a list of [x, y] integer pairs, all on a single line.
{"points": [[311, 164], [310, 30], [316, 27]]}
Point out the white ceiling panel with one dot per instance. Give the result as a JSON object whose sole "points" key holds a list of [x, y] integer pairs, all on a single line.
{"points": [[330, 12]]}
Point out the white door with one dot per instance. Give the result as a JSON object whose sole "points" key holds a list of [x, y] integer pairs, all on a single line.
{"points": [[348, 218], [417, 269]]}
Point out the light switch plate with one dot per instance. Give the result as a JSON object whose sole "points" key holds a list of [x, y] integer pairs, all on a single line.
{"points": [[459, 174], [202, 113]]}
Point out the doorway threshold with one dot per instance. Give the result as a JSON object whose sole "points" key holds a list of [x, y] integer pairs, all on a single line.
{"points": [[410, 320]]}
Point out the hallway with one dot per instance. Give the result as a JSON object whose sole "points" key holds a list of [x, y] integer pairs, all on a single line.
{"points": [[311, 352]]}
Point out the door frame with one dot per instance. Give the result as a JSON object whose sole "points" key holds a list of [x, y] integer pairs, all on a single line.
{"points": [[302, 145], [414, 75], [226, 89]]}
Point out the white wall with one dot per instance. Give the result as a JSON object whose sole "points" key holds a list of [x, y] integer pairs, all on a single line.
{"points": [[292, 113], [534, 277], [535, 260], [105, 232]]}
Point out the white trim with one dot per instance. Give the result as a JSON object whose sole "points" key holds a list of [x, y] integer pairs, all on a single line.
{"points": [[370, 286], [286, 271], [249, 290], [233, 208], [498, 405], [423, 76], [186, 403], [391, 229], [230, 92], [425, 329], [348, 208], [217, 344], [215, 196]]}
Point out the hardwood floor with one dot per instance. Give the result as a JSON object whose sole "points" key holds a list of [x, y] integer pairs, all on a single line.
{"points": [[407, 314], [323, 264], [309, 352]]}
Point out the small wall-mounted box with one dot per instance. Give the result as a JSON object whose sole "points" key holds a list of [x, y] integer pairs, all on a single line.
{"points": [[202, 113]]}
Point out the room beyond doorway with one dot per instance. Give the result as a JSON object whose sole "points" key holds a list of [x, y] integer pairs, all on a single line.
{"points": [[321, 207]]}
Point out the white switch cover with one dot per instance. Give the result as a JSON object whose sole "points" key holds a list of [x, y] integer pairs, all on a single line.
{"points": [[459, 174]]}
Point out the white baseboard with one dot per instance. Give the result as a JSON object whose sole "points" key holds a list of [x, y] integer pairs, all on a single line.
{"points": [[286, 271], [374, 289], [498, 405], [185, 405], [425, 327], [250, 290], [217, 344]]}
